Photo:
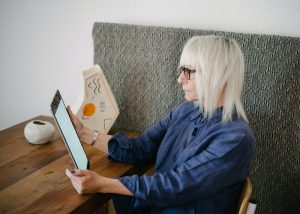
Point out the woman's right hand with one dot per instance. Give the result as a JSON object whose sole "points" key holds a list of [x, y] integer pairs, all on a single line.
{"points": [[76, 122], [84, 133]]}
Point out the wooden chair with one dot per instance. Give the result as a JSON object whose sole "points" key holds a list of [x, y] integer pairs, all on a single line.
{"points": [[245, 197]]}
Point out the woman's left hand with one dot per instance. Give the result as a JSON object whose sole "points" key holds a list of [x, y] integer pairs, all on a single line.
{"points": [[85, 181]]}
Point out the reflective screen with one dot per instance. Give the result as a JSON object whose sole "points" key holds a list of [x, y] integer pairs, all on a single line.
{"points": [[70, 136]]}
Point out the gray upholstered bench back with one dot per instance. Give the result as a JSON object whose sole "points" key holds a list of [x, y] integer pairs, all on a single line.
{"points": [[140, 64]]}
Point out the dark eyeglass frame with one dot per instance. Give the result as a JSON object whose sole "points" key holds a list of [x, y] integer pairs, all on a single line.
{"points": [[186, 71]]}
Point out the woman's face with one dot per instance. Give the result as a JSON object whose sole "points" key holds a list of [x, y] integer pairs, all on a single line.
{"points": [[187, 80]]}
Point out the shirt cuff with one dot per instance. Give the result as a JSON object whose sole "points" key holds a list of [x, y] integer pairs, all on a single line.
{"points": [[118, 142], [130, 183]]}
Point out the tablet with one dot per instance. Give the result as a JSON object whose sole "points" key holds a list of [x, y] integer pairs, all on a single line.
{"points": [[68, 132]]}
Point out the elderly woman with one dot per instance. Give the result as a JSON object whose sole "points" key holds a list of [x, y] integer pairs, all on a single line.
{"points": [[203, 148]]}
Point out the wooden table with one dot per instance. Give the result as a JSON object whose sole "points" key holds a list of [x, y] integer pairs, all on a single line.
{"points": [[33, 180]]}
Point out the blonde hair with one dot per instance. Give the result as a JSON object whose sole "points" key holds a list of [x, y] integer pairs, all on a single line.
{"points": [[219, 64]]}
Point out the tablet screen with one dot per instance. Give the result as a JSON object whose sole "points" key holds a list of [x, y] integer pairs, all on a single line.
{"points": [[68, 132]]}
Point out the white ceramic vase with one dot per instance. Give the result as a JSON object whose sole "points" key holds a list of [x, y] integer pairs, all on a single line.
{"points": [[38, 131]]}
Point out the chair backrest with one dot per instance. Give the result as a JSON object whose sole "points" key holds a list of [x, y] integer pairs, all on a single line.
{"points": [[245, 197], [140, 64]]}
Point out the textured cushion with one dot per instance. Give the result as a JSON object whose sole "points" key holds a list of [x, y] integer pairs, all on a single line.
{"points": [[140, 64]]}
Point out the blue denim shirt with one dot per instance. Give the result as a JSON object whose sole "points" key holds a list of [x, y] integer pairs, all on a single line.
{"points": [[201, 163]]}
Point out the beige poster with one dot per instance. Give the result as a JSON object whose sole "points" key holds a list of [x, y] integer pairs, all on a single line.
{"points": [[99, 109]]}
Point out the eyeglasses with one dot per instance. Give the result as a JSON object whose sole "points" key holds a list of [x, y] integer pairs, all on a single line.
{"points": [[186, 71]]}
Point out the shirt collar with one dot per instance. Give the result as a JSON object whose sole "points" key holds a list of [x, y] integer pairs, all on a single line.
{"points": [[216, 117], [195, 112]]}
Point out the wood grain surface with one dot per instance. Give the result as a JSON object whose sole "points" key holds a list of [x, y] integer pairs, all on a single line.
{"points": [[33, 180]]}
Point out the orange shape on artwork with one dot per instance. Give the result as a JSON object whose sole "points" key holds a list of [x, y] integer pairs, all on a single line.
{"points": [[89, 109]]}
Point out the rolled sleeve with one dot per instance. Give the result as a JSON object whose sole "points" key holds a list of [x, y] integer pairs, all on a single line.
{"points": [[138, 151], [119, 148], [118, 140]]}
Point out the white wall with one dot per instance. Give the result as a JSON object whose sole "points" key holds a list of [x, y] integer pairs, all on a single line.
{"points": [[44, 45]]}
